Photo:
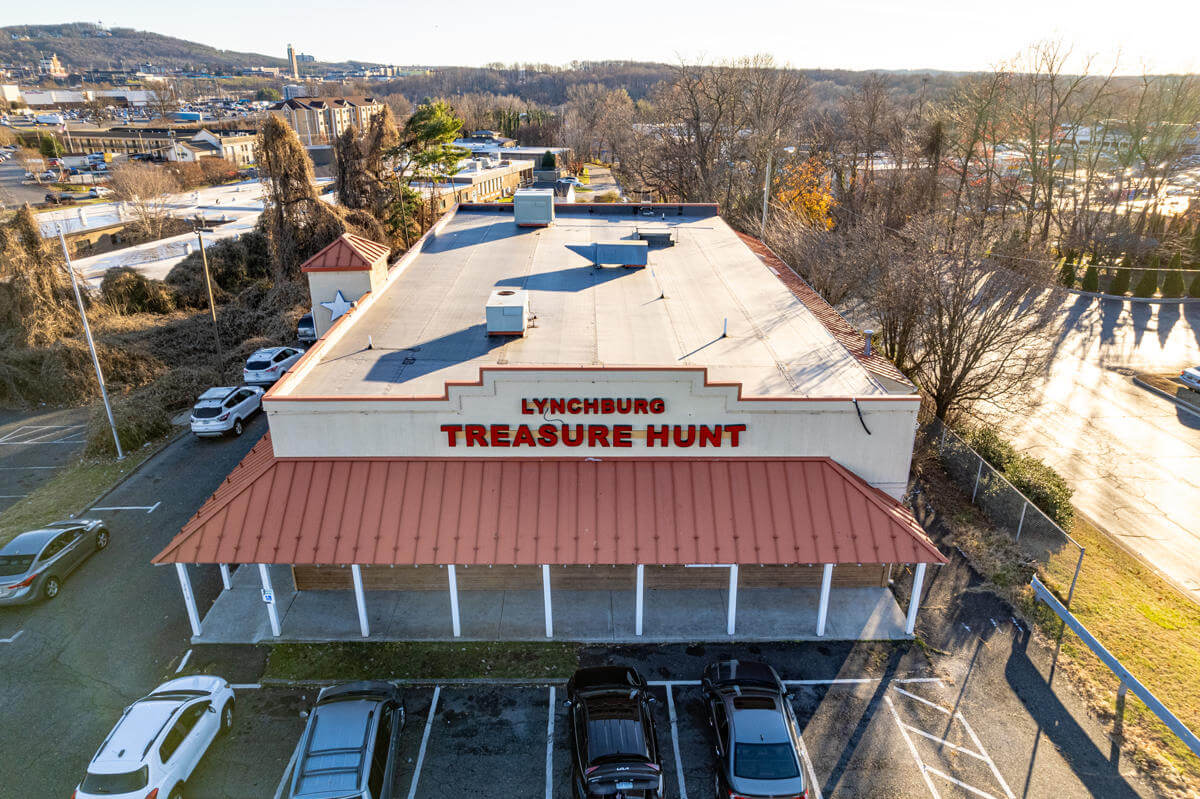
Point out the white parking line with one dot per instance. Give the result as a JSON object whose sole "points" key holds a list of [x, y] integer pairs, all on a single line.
{"points": [[912, 749], [674, 742], [147, 508], [960, 783], [987, 758], [923, 701], [412, 789], [12, 637], [945, 743], [550, 747], [186, 656], [814, 782]]}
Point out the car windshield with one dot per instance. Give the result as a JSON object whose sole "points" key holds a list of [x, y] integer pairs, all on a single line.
{"points": [[119, 782], [765, 762], [254, 366], [14, 564], [206, 411]]}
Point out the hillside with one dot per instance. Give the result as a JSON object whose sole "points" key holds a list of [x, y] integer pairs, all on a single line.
{"points": [[85, 45]]}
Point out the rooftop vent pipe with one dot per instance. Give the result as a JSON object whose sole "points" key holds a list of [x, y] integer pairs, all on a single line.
{"points": [[867, 346]]}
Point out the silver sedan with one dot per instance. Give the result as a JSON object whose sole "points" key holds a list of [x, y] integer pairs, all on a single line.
{"points": [[34, 564]]}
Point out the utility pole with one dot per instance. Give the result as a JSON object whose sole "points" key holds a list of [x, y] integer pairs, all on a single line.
{"points": [[212, 306], [762, 228], [87, 332]]}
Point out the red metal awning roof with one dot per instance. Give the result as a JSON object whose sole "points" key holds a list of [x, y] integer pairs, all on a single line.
{"points": [[347, 253], [478, 511]]}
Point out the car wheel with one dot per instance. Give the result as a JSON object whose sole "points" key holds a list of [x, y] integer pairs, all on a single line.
{"points": [[237, 427], [101, 539], [227, 717], [50, 587]]}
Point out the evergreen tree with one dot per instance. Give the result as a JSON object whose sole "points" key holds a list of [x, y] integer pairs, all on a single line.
{"points": [[1194, 286], [1120, 282], [1066, 271], [1147, 284], [1091, 279], [549, 161], [1173, 285]]}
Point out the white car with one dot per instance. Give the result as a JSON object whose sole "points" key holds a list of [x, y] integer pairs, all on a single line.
{"points": [[268, 365], [220, 410], [159, 741], [1191, 378]]}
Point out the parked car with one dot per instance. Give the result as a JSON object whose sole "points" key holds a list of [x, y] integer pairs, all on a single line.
{"points": [[96, 192], [1191, 378], [349, 746], [574, 181], [60, 198], [49, 175], [220, 410], [757, 738], [159, 741], [268, 365], [614, 744], [34, 564], [306, 330]]}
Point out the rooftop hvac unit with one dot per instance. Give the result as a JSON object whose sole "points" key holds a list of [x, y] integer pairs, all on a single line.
{"points": [[620, 253], [507, 312], [533, 207]]}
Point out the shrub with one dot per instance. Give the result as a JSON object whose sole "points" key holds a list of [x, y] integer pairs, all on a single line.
{"points": [[1194, 286], [1147, 285], [1091, 279], [606, 197], [233, 265], [1173, 285], [549, 161], [1066, 272], [138, 420], [63, 372], [1044, 487], [1120, 282], [129, 292]]}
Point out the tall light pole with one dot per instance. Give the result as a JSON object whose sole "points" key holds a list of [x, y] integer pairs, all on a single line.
{"points": [[87, 332], [212, 306], [762, 228]]}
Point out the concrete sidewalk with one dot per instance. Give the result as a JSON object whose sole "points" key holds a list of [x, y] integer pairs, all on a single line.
{"points": [[238, 616]]}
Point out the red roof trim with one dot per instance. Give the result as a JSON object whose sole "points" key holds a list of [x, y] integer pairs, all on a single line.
{"points": [[347, 253], [430, 511]]}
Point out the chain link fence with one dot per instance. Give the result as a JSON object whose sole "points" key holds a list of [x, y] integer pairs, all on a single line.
{"points": [[1060, 557]]}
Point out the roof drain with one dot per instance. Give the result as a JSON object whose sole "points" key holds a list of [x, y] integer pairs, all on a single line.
{"points": [[860, 416]]}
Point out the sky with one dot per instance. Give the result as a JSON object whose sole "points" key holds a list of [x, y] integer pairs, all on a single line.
{"points": [[1154, 35]]}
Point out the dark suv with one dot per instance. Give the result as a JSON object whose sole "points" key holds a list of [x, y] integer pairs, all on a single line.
{"points": [[348, 750], [757, 737], [614, 746]]}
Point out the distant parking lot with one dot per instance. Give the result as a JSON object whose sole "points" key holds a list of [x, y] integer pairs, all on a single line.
{"points": [[864, 737], [34, 446]]}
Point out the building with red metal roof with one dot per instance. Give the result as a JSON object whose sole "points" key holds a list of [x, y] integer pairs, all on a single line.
{"points": [[505, 396]]}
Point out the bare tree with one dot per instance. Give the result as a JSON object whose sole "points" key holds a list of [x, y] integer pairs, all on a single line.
{"points": [[144, 189]]}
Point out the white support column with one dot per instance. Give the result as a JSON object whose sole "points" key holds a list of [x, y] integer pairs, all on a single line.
{"points": [[189, 599], [546, 600], [360, 599], [914, 601], [265, 574], [641, 585], [732, 598], [823, 607], [454, 600], [226, 582]]}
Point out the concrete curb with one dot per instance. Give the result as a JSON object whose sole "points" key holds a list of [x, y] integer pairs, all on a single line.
{"points": [[1150, 300], [271, 682], [1187, 406]]}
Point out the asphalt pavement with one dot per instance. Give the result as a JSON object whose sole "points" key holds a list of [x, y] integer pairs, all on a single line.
{"points": [[1132, 456], [13, 191], [68, 667]]}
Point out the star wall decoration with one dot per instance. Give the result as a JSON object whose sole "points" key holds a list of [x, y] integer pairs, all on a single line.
{"points": [[338, 306]]}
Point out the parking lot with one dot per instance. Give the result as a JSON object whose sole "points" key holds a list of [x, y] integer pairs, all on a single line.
{"points": [[34, 446], [864, 737]]}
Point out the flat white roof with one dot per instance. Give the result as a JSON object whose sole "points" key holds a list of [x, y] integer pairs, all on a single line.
{"points": [[707, 301]]}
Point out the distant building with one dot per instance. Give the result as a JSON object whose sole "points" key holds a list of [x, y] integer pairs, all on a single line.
{"points": [[52, 66], [478, 180], [320, 120], [305, 58], [293, 90], [236, 146], [292, 62]]}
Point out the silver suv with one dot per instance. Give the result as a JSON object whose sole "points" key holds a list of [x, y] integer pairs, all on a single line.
{"points": [[348, 750]]}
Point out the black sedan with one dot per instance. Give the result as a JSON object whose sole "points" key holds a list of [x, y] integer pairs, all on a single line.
{"points": [[757, 739], [614, 745]]}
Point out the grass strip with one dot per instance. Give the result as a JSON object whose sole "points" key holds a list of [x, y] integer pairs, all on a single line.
{"points": [[437, 660], [69, 491]]}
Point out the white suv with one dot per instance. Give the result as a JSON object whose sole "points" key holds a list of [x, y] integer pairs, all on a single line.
{"points": [[268, 365], [220, 410], [159, 741]]}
